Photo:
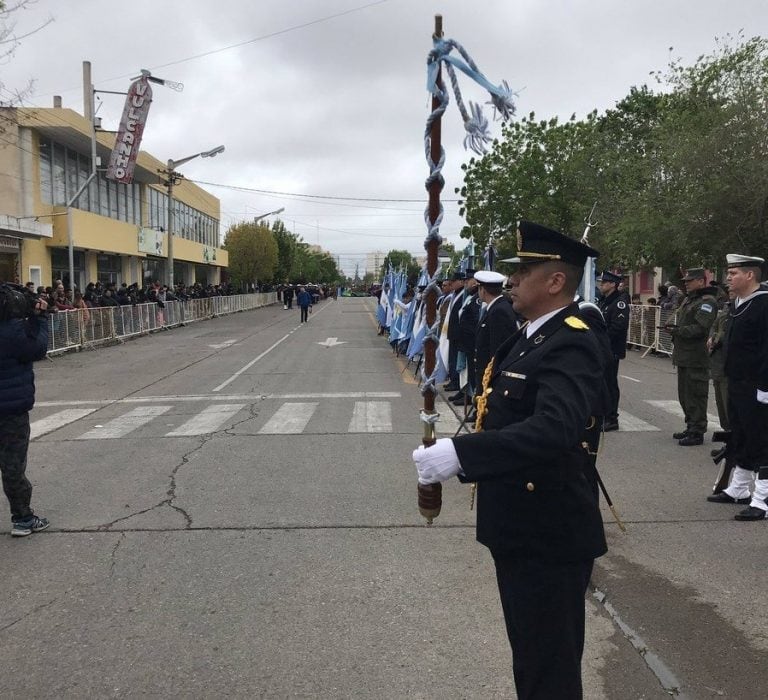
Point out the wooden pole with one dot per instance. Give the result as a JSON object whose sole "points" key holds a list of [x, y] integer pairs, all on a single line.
{"points": [[430, 495]]}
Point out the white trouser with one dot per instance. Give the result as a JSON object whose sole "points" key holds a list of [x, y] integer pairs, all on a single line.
{"points": [[741, 483], [760, 494]]}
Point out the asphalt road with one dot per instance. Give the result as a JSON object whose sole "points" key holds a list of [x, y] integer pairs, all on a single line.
{"points": [[234, 515]]}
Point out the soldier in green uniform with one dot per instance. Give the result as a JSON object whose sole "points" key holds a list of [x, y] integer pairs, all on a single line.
{"points": [[690, 330]]}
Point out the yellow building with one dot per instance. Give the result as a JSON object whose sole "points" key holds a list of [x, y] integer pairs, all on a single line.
{"points": [[118, 232]]}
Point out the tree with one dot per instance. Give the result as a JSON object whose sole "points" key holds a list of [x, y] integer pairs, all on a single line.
{"points": [[287, 247], [680, 175], [398, 259], [539, 171], [252, 253]]}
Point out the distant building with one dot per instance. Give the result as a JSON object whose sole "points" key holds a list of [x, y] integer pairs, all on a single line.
{"points": [[373, 262], [117, 230]]}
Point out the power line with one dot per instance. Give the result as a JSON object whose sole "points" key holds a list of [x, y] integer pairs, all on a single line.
{"points": [[319, 196]]}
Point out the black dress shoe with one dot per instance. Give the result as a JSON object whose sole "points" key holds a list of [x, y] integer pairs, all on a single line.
{"points": [[723, 497], [680, 435], [451, 387], [691, 439], [750, 513], [459, 400], [457, 395], [608, 426]]}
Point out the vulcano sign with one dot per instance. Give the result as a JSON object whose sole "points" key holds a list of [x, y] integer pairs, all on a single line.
{"points": [[128, 140]]}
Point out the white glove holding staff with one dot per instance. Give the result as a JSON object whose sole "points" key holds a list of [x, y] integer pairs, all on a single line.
{"points": [[762, 396], [436, 463]]}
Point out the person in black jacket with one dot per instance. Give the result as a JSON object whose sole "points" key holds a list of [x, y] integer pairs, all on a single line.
{"points": [[465, 340], [615, 307], [23, 339], [537, 511], [497, 322]]}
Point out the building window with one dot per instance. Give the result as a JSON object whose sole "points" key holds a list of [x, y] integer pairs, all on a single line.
{"points": [[46, 175], [108, 268]]}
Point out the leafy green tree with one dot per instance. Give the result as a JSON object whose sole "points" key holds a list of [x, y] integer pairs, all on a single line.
{"points": [[679, 176], [252, 253], [401, 259], [287, 251]]}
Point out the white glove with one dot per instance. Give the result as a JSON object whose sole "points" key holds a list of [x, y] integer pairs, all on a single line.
{"points": [[762, 396], [436, 463]]}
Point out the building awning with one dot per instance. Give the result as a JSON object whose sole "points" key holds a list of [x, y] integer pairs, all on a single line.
{"points": [[24, 227]]}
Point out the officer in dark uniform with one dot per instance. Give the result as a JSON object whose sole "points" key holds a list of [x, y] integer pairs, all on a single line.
{"points": [[746, 367], [536, 509], [498, 321], [452, 333], [690, 331], [465, 342], [614, 305]]}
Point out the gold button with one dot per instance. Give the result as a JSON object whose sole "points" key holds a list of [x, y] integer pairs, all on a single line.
{"points": [[488, 390], [530, 486]]}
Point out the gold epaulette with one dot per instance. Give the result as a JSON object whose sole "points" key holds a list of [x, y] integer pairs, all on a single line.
{"points": [[577, 323]]}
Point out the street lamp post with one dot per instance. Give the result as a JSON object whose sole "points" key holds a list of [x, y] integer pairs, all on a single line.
{"points": [[173, 178], [271, 213]]}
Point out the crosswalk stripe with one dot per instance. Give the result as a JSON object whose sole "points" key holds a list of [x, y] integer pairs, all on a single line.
{"points": [[58, 420], [209, 420], [630, 423], [675, 409], [289, 418], [371, 417], [293, 417], [122, 425]]}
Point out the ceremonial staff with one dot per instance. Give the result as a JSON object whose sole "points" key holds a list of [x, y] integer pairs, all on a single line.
{"points": [[430, 495], [476, 126]]}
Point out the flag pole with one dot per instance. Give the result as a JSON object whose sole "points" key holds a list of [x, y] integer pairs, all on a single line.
{"points": [[430, 495]]}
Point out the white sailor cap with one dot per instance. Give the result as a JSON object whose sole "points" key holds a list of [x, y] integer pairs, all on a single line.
{"points": [[736, 260], [488, 277]]}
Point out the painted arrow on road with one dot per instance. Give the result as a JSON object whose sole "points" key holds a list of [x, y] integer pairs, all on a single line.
{"points": [[330, 342], [225, 344]]}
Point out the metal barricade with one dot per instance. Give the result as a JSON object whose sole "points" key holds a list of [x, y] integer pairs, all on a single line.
{"points": [[79, 328], [646, 328]]}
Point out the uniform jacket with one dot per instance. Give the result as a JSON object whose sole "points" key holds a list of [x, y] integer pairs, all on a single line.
{"points": [[694, 318], [595, 320], [468, 316], [615, 308], [534, 498], [746, 345], [496, 325], [21, 342], [453, 318]]}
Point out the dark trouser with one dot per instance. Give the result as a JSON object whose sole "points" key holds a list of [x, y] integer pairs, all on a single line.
{"points": [[543, 606], [453, 356], [749, 423], [693, 392], [289, 302], [720, 385], [612, 380], [304, 313], [14, 443]]}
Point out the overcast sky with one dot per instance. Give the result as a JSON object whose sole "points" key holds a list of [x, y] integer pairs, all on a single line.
{"points": [[328, 98]]}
